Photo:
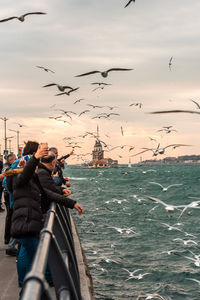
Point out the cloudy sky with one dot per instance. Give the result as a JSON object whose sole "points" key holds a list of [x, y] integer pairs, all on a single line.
{"points": [[78, 36]]}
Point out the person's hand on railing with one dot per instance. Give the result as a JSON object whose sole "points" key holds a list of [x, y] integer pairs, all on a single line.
{"points": [[67, 183], [66, 192], [79, 208]]}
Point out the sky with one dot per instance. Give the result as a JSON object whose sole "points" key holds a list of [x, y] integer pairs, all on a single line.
{"points": [[77, 36]]}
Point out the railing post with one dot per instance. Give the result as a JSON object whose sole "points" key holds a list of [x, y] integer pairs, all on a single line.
{"points": [[60, 273]]}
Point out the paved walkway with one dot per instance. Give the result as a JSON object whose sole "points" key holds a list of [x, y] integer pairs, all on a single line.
{"points": [[8, 275]]}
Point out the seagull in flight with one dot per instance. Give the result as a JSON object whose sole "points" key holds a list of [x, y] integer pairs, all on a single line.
{"points": [[20, 125], [167, 130], [83, 112], [150, 296], [186, 242], [170, 63], [122, 131], [193, 279], [104, 73], [193, 204], [164, 189], [129, 2], [110, 114], [132, 276], [175, 111], [168, 207], [195, 259], [94, 106], [67, 93], [139, 104], [197, 104], [79, 100], [60, 87], [151, 139], [160, 150], [66, 112], [45, 69], [55, 118], [22, 17], [101, 83], [111, 107], [171, 227]]}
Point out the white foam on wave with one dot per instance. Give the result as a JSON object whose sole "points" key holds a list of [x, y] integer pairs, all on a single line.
{"points": [[78, 178]]}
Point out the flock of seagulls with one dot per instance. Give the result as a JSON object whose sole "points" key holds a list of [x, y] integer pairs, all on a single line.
{"points": [[67, 90]]}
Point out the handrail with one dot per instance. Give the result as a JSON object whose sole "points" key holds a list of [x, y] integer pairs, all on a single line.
{"points": [[56, 247]]}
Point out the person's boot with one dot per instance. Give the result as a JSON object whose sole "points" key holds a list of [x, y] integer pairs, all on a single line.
{"points": [[11, 251]]}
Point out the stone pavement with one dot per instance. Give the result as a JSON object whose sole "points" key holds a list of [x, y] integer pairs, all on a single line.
{"points": [[8, 275]]}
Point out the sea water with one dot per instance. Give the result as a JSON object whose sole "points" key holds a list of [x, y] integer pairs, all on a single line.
{"points": [[121, 230]]}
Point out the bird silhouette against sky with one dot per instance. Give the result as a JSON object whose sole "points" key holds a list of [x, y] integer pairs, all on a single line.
{"points": [[129, 2], [22, 17], [60, 87], [175, 111], [45, 69], [104, 73], [78, 101], [67, 93], [170, 63], [197, 104]]}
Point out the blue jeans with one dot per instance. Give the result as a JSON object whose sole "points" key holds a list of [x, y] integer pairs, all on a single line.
{"points": [[28, 248]]}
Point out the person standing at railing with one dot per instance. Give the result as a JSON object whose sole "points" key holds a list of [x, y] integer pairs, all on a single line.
{"points": [[58, 173], [29, 198], [45, 170], [1, 186], [11, 250]]}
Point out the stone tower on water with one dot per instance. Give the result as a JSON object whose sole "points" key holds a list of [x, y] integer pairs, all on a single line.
{"points": [[98, 152]]}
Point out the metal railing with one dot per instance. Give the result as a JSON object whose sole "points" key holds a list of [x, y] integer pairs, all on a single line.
{"points": [[55, 250]]}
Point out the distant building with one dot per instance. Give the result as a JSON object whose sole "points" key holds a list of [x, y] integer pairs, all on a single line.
{"points": [[184, 159], [98, 160]]}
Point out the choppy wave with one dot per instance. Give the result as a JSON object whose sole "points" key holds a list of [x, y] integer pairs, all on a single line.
{"points": [[123, 231]]}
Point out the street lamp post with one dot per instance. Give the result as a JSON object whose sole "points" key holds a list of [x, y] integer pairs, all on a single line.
{"points": [[5, 138], [9, 141], [17, 131]]}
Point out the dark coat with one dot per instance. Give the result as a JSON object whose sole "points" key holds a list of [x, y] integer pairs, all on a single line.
{"points": [[48, 183], [30, 201], [27, 212]]}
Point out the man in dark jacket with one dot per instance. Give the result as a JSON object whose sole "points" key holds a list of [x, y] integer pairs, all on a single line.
{"points": [[27, 219], [59, 178], [45, 169]]}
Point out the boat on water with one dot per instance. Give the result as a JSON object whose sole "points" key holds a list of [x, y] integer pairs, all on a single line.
{"points": [[129, 163]]}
